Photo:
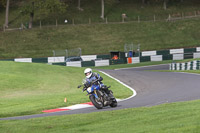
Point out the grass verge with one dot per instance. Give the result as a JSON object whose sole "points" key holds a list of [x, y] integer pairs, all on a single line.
{"points": [[99, 38], [174, 118], [29, 88]]}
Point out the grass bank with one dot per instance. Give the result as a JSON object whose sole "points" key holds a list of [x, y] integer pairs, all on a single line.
{"points": [[99, 38], [174, 118], [29, 88]]}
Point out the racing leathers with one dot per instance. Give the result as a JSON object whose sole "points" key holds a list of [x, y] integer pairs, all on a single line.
{"points": [[96, 76]]}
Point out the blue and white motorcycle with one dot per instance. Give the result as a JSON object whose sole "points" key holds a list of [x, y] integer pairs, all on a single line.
{"points": [[97, 95]]}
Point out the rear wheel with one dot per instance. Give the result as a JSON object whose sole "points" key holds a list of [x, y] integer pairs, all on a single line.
{"points": [[114, 103], [95, 101]]}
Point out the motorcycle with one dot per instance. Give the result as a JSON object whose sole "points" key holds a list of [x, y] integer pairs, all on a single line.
{"points": [[97, 94]]}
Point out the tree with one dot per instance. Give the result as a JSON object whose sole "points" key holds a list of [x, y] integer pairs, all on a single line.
{"points": [[102, 9], [7, 14], [165, 4], [144, 1], [44, 7], [79, 6], [103, 6], [2, 3], [31, 16]]}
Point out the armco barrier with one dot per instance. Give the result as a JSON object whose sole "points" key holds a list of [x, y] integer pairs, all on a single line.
{"points": [[101, 60], [171, 54], [162, 52], [56, 59], [89, 57], [7, 59], [190, 50], [145, 58], [74, 64], [148, 53], [156, 58], [178, 57], [23, 60], [102, 63], [40, 60], [103, 57], [87, 63], [60, 63], [176, 51], [167, 57], [188, 55], [196, 55]]}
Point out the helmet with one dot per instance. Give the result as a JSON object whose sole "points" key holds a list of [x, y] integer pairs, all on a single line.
{"points": [[88, 72]]}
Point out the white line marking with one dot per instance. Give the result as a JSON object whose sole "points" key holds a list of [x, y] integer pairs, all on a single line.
{"points": [[77, 106], [81, 106], [188, 73], [134, 92]]}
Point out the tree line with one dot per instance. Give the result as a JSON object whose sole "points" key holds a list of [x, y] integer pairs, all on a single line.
{"points": [[47, 7]]}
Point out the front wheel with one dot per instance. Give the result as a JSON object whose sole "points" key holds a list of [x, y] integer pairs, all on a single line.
{"points": [[95, 102]]}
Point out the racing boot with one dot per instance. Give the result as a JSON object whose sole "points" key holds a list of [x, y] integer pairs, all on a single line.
{"points": [[108, 92], [111, 95]]}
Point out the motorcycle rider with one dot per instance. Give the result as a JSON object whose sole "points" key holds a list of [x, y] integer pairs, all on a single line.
{"points": [[91, 76]]}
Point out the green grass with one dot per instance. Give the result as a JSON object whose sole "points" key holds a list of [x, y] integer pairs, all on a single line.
{"points": [[99, 38], [182, 117], [173, 117], [29, 88]]}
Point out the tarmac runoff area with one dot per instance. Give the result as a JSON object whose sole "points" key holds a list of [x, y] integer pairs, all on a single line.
{"points": [[150, 88]]}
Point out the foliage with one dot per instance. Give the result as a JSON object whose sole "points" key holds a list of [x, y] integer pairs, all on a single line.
{"points": [[2, 3], [110, 2], [44, 7]]}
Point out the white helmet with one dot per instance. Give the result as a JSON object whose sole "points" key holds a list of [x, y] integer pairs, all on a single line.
{"points": [[88, 72]]}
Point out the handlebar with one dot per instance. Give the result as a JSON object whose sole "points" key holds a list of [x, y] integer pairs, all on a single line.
{"points": [[96, 80], [84, 88]]}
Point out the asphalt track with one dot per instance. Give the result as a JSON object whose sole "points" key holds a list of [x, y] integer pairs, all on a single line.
{"points": [[152, 87]]}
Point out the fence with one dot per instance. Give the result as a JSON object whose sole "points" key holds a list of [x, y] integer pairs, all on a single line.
{"points": [[170, 54], [122, 19]]}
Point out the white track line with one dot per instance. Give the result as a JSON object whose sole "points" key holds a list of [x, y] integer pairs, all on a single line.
{"points": [[77, 106], [188, 73], [134, 92], [87, 105]]}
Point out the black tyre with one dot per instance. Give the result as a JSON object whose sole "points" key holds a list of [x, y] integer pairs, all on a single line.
{"points": [[96, 103], [114, 103]]}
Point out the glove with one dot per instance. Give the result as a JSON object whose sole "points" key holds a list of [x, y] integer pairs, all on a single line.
{"points": [[84, 89]]}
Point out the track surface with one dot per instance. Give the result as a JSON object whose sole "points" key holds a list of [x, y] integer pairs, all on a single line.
{"points": [[153, 88]]}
